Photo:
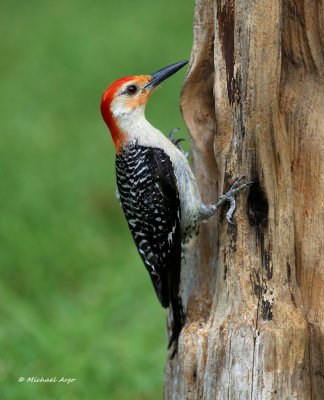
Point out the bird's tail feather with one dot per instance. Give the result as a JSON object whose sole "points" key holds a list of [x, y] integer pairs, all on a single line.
{"points": [[176, 324], [177, 316]]}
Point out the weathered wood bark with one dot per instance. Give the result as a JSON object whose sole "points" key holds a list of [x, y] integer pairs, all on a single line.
{"points": [[253, 102]]}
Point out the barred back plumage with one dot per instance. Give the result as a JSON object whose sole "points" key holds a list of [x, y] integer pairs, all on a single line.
{"points": [[150, 200]]}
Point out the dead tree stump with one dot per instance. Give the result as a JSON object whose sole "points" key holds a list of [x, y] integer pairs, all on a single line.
{"points": [[253, 102]]}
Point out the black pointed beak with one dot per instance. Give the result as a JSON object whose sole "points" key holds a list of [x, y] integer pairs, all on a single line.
{"points": [[164, 73]]}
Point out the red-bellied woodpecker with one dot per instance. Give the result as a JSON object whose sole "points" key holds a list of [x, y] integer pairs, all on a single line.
{"points": [[157, 189]]}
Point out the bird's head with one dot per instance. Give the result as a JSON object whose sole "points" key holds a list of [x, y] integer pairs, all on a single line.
{"points": [[126, 98]]}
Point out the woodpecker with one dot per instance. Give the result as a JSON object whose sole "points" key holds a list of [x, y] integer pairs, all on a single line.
{"points": [[157, 188]]}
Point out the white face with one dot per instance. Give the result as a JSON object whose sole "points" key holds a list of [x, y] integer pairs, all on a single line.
{"points": [[131, 98]]}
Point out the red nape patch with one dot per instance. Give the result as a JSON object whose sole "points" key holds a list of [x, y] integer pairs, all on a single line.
{"points": [[107, 98]]}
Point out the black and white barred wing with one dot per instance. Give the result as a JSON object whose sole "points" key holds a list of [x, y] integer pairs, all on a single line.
{"points": [[150, 200]]}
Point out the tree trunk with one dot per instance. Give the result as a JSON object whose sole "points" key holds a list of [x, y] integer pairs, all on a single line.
{"points": [[253, 102]]}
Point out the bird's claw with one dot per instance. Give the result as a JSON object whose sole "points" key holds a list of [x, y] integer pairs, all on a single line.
{"points": [[172, 133], [177, 141], [237, 182], [230, 196]]}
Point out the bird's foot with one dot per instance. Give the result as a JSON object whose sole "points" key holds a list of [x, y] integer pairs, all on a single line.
{"points": [[230, 197], [172, 133], [177, 141]]}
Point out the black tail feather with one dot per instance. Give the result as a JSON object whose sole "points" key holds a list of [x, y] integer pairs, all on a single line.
{"points": [[177, 322], [175, 306]]}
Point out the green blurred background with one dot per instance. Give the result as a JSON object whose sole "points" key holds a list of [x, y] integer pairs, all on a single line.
{"points": [[75, 299]]}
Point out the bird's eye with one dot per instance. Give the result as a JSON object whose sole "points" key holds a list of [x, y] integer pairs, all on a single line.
{"points": [[131, 89]]}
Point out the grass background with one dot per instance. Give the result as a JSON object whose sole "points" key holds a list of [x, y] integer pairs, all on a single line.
{"points": [[75, 299]]}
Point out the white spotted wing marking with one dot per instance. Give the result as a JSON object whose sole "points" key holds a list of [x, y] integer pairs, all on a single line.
{"points": [[150, 201]]}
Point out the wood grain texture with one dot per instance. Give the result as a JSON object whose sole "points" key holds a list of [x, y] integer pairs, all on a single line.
{"points": [[253, 102]]}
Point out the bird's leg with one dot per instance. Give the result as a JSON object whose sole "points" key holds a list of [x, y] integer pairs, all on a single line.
{"points": [[229, 196], [177, 141]]}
